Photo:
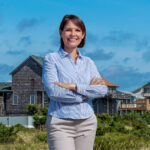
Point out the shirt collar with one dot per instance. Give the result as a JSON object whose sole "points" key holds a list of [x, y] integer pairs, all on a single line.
{"points": [[64, 54]]}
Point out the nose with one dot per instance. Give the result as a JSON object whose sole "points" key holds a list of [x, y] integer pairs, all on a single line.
{"points": [[73, 32]]}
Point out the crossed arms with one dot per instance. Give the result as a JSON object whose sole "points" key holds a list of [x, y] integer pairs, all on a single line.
{"points": [[71, 92]]}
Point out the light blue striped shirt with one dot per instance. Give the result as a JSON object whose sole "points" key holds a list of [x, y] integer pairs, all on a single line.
{"points": [[59, 66]]}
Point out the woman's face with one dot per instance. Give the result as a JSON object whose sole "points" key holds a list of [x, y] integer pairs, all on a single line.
{"points": [[71, 35]]}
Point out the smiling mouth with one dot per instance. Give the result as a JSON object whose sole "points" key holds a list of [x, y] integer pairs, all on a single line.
{"points": [[72, 40]]}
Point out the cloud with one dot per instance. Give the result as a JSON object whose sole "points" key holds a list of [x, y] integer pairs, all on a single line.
{"points": [[128, 78], [15, 52], [126, 39], [91, 38], [118, 38], [146, 56], [0, 17], [25, 41], [142, 44], [5, 70], [100, 54], [126, 59], [27, 23], [55, 38]]}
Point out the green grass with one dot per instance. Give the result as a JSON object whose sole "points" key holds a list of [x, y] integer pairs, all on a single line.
{"points": [[128, 132], [27, 140]]}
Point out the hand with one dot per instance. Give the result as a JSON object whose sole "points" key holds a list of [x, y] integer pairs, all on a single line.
{"points": [[96, 81], [69, 86], [85, 97]]}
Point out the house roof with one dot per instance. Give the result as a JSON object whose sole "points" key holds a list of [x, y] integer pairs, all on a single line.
{"points": [[110, 84], [132, 94], [5, 86], [38, 59], [141, 87]]}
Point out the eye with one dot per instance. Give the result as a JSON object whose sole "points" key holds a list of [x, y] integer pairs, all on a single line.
{"points": [[68, 29], [78, 30]]}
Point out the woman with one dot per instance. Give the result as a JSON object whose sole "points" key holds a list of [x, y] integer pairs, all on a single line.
{"points": [[71, 80]]}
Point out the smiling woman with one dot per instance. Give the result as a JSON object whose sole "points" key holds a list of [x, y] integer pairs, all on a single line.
{"points": [[71, 36], [71, 80]]}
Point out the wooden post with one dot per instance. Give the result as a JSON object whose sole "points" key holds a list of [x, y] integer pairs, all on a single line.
{"points": [[42, 98], [107, 105]]}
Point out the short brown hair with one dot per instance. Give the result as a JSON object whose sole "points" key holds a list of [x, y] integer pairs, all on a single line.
{"points": [[77, 21]]}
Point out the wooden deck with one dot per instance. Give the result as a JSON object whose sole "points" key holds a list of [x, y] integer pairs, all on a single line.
{"points": [[136, 105]]}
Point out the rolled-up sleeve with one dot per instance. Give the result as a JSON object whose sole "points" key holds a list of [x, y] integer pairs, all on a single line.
{"points": [[92, 91], [49, 75]]}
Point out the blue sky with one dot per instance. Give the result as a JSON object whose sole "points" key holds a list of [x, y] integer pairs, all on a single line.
{"points": [[118, 35]]}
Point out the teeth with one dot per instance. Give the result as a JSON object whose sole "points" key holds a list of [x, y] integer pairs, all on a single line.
{"points": [[72, 39]]}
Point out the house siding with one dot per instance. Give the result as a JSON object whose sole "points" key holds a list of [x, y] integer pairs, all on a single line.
{"points": [[105, 105], [26, 81]]}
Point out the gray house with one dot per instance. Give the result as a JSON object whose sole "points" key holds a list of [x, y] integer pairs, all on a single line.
{"points": [[26, 88]]}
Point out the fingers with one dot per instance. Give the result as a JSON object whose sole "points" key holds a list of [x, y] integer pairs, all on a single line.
{"points": [[96, 81], [101, 81], [93, 81], [69, 86], [59, 84]]}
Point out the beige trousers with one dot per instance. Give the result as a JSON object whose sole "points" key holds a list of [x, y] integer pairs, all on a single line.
{"points": [[71, 134]]}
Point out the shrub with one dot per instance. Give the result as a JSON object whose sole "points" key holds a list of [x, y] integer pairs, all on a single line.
{"points": [[139, 125], [19, 127], [104, 124], [42, 137], [146, 117], [132, 116], [44, 110], [39, 121], [100, 130], [7, 134], [117, 117], [119, 127], [144, 133], [105, 118], [117, 141], [32, 108]]}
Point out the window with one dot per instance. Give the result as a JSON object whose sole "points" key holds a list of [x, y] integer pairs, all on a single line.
{"points": [[147, 90], [112, 90], [32, 99], [15, 100]]}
